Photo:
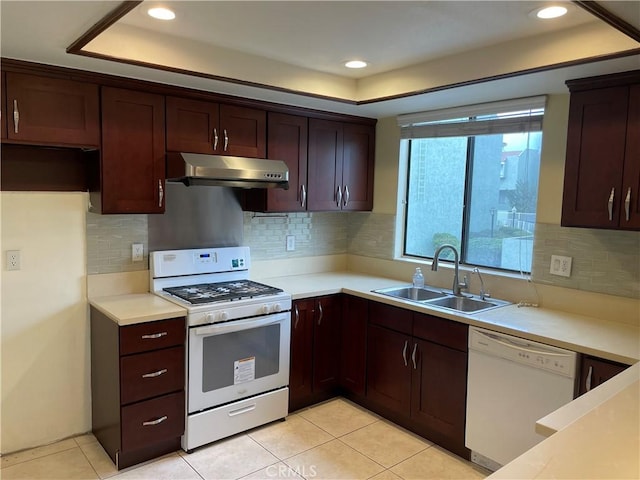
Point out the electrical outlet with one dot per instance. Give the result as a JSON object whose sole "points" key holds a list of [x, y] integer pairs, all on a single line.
{"points": [[291, 243], [560, 265], [13, 259], [137, 252]]}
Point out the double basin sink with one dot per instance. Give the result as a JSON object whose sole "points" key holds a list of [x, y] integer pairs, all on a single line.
{"points": [[432, 297]]}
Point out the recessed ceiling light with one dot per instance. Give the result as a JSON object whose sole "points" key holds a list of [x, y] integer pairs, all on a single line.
{"points": [[355, 64], [552, 11], [161, 13]]}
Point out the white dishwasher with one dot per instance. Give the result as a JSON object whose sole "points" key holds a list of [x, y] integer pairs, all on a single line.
{"points": [[511, 384]]}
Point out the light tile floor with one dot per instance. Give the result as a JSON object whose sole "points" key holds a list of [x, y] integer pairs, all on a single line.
{"points": [[334, 440]]}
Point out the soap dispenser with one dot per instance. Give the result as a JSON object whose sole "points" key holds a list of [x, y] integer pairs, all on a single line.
{"points": [[418, 279]]}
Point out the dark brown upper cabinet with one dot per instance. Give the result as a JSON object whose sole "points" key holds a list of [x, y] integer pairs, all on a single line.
{"points": [[341, 164], [287, 140], [50, 111], [198, 126], [602, 171], [132, 162]]}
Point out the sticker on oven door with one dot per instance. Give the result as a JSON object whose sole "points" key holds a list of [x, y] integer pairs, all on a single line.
{"points": [[244, 370]]}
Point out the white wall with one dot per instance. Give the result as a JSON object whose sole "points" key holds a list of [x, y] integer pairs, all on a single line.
{"points": [[44, 328]]}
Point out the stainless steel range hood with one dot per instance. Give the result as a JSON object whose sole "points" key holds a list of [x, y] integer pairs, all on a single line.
{"points": [[225, 171]]}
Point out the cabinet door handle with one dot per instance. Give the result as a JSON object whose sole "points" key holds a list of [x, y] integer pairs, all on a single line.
{"points": [[321, 312], [153, 335], [154, 422], [627, 204], [16, 116], [413, 356], [610, 203], [303, 195], [155, 374], [295, 325], [226, 139], [587, 383], [338, 197], [346, 195], [160, 193], [215, 138], [404, 352]]}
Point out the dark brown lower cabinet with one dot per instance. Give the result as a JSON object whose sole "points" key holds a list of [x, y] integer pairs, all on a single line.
{"points": [[595, 371], [353, 348], [315, 350], [417, 374], [137, 387]]}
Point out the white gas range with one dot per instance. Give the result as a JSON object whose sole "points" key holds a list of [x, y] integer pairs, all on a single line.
{"points": [[238, 340]]}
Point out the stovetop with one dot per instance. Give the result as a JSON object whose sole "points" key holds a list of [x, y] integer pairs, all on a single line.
{"points": [[221, 291]]}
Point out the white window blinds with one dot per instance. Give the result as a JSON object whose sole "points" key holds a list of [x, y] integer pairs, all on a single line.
{"points": [[509, 116]]}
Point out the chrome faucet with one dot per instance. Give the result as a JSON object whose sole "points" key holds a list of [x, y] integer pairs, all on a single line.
{"points": [[483, 293], [457, 286]]}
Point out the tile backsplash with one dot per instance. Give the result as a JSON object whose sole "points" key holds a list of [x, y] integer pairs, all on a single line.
{"points": [[604, 261]]}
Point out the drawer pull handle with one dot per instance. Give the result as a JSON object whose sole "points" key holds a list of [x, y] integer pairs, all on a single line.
{"points": [[154, 422], [155, 374], [240, 411], [154, 335]]}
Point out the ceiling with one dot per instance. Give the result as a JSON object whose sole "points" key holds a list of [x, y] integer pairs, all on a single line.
{"points": [[423, 54]]}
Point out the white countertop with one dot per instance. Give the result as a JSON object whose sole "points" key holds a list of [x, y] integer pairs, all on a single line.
{"points": [[136, 308]]}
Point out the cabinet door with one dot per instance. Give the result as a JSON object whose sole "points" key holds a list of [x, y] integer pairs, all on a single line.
{"points": [[353, 350], [438, 393], [133, 152], [301, 360], [326, 343], [595, 371], [3, 109], [388, 372], [325, 165], [595, 157], [630, 215], [52, 111], [358, 167], [244, 131], [287, 141], [192, 126]]}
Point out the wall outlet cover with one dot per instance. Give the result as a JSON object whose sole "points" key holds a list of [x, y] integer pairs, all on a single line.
{"points": [[560, 265], [13, 259], [137, 252]]}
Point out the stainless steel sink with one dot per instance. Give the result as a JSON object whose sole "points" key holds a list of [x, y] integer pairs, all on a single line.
{"points": [[466, 304], [442, 299], [412, 293]]}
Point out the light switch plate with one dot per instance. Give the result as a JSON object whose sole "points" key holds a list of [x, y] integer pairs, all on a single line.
{"points": [[560, 265], [291, 243]]}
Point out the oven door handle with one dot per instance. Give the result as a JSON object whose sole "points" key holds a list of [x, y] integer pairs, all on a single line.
{"points": [[238, 325]]}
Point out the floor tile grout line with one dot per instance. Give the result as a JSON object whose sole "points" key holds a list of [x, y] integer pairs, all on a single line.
{"points": [[2, 467], [98, 476]]}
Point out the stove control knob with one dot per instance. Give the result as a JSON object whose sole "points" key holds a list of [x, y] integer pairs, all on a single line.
{"points": [[224, 316], [276, 308], [209, 318], [265, 309]]}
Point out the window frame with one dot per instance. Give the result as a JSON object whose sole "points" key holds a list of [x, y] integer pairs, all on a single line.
{"points": [[536, 104]]}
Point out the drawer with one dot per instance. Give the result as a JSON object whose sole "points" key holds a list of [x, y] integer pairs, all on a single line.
{"points": [[144, 337], [391, 317], [151, 374], [151, 421], [441, 331]]}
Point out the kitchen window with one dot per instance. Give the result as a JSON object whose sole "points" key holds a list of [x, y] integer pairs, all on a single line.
{"points": [[472, 181]]}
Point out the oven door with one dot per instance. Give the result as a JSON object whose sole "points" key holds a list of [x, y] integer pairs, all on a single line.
{"points": [[237, 359]]}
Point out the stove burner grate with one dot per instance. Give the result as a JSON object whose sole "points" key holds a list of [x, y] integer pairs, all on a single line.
{"points": [[221, 291]]}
